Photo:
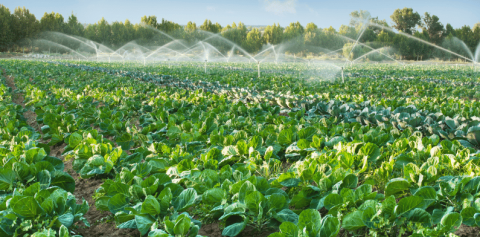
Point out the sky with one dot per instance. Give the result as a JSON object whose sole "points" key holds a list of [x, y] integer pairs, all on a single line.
{"points": [[251, 12]]}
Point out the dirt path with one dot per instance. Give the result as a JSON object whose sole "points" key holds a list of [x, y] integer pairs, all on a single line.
{"points": [[19, 99], [101, 223]]}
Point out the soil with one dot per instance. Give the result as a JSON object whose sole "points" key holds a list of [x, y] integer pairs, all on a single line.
{"points": [[213, 230], [18, 98], [101, 223], [467, 231]]}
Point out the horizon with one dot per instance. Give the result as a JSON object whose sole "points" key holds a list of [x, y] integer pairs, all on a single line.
{"points": [[258, 13]]}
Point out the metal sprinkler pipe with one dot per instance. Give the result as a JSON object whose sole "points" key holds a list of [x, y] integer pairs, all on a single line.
{"points": [[205, 66], [258, 66], [343, 79]]}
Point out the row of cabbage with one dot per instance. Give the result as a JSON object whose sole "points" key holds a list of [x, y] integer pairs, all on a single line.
{"points": [[35, 193]]}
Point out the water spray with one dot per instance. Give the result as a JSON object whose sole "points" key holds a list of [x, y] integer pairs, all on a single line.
{"points": [[205, 66]]}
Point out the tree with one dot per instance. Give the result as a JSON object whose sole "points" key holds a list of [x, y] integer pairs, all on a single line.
{"points": [[190, 27], [294, 30], [190, 31], [330, 40], [360, 23], [368, 36], [433, 27], [118, 34], [149, 20], [273, 34], [208, 26], [73, 27], [254, 41], [405, 20], [453, 44], [168, 26], [359, 18], [312, 34], [476, 26], [348, 31], [104, 32], [91, 32], [476, 36], [384, 37], [234, 33], [412, 49], [449, 30], [129, 31], [52, 22], [467, 36], [375, 21], [6, 33], [358, 51], [143, 34], [25, 26]]}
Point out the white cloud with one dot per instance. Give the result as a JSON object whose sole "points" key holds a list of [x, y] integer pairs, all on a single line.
{"points": [[279, 7], [211, 8]]}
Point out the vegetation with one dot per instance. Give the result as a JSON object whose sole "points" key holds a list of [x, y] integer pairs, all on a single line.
{"points": [[391, 151], [20, 28]]}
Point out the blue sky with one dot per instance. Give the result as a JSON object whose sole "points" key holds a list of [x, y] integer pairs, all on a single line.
{"points": [[251, 12]]}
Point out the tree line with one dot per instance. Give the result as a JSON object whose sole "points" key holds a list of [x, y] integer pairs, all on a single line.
{"points": [[20, 28]]}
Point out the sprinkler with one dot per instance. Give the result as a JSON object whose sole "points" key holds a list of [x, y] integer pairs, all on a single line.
{"points": [[258, 66], [205, 66], [343, 80]]}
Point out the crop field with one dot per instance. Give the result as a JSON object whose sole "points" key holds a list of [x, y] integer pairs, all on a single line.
{"points": [[184, 149]]}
